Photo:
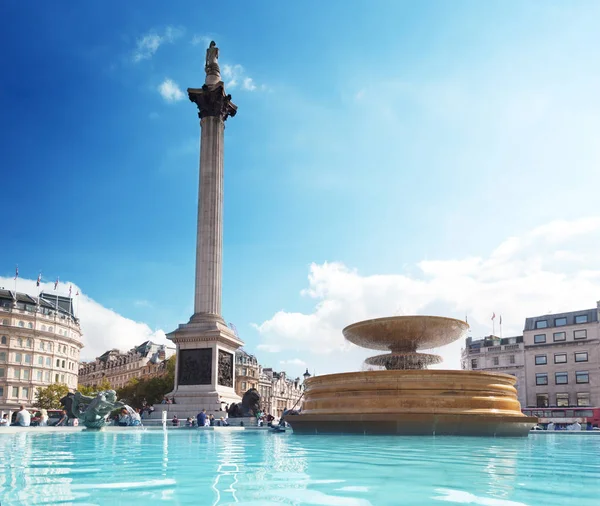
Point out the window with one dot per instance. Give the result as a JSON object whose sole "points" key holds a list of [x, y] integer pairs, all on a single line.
{"points": [[25, 392], [582, 377], [2, 356], [584, 412], [541, 400], [20, 341], [541, 324], [581, 318], [1, 372], [48, 361], [496, 360], [27, 358], [21, 324], [541, 378], [43, 329], [25, 374], [56, 378], [17, 373], [15, 392], [581, 356], [560, 322], [560, 358], [473, 363], [40, 360], [561, 378], [63, 364], [539, 338], [583, 399], [57, 363], [50, 329], [30, 325], [42, 346], [5, 322], [39, 375], [18, 357], [562, 400], [62, 378], [3, 340], [511, 359], [29, 343], [580, 334], [47, 376], [1, 391], [559, 336], [541, 360]]}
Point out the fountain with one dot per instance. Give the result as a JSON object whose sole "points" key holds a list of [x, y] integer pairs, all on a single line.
{"points": [[406, 398]]}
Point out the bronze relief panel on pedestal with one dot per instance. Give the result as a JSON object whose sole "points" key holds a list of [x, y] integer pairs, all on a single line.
{"points": [[195, 367], [225, 368]]}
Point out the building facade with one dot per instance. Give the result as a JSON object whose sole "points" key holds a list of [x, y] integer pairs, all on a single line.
{"points": [[285, 393], [556, 361], [247, 372], [40, 344], [118, 368], [562, 359], [492, 353]]}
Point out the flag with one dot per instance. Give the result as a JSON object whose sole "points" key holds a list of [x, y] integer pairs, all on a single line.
{"points": [[56, 283], [500, 319], [493, 316], [70, 288], [466, 320], [77, 293], [39, 279], [16, 272]]}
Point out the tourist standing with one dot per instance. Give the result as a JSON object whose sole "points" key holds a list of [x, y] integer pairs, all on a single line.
{"points": [[63, 419], [23, 417], [201, 418], [43, 418]]}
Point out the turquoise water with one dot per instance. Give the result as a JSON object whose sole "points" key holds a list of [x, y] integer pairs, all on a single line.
{"points": [[257, 468]]}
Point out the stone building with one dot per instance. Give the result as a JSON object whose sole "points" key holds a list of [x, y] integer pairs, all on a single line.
{"points": [[556, 361], [40, 343], [246, 372], [285, 393], [562, 359], [492, 353], [118, 368]]}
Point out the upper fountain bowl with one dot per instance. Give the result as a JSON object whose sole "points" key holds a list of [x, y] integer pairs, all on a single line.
{"points": [[405, 333]]}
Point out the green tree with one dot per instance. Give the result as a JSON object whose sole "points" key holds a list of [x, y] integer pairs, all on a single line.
{"points": [[49, 397], [92, 390], [150, 390]]}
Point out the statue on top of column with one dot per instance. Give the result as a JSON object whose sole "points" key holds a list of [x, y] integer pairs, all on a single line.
{"points": [[211, 67]]}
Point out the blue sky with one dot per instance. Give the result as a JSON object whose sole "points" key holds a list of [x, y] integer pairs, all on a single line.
{"points": [[370, 137]]}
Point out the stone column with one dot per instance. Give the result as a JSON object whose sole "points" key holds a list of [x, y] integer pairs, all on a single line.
{"points": [[214, 108]]}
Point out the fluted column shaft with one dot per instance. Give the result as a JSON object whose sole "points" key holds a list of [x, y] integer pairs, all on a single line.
{"points": [[209, 243]]}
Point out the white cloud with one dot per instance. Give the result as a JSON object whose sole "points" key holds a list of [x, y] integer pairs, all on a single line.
{"points": [[235, 75], [102, 328], [147, 45], [170, 91], [552, 268], [293, 361], [200, 40]]}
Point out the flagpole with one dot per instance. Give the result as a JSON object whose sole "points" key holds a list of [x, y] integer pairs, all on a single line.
{"points": [[16, 277]]}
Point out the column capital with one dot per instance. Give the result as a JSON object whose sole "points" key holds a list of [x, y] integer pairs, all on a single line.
{"points": [[212, 101]]}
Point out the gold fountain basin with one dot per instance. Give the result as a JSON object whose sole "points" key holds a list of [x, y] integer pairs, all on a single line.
{"points": [[412, 402]]}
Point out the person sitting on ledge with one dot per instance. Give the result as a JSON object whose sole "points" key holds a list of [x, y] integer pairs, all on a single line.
{"points": [[223, 422], [175, 421], [4, 420], [23, 417], [189, 422], [124, 418]]}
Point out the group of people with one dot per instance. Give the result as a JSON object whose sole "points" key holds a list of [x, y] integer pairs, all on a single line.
{"points": [[23, 418], [201, 420], [129, 417]]}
